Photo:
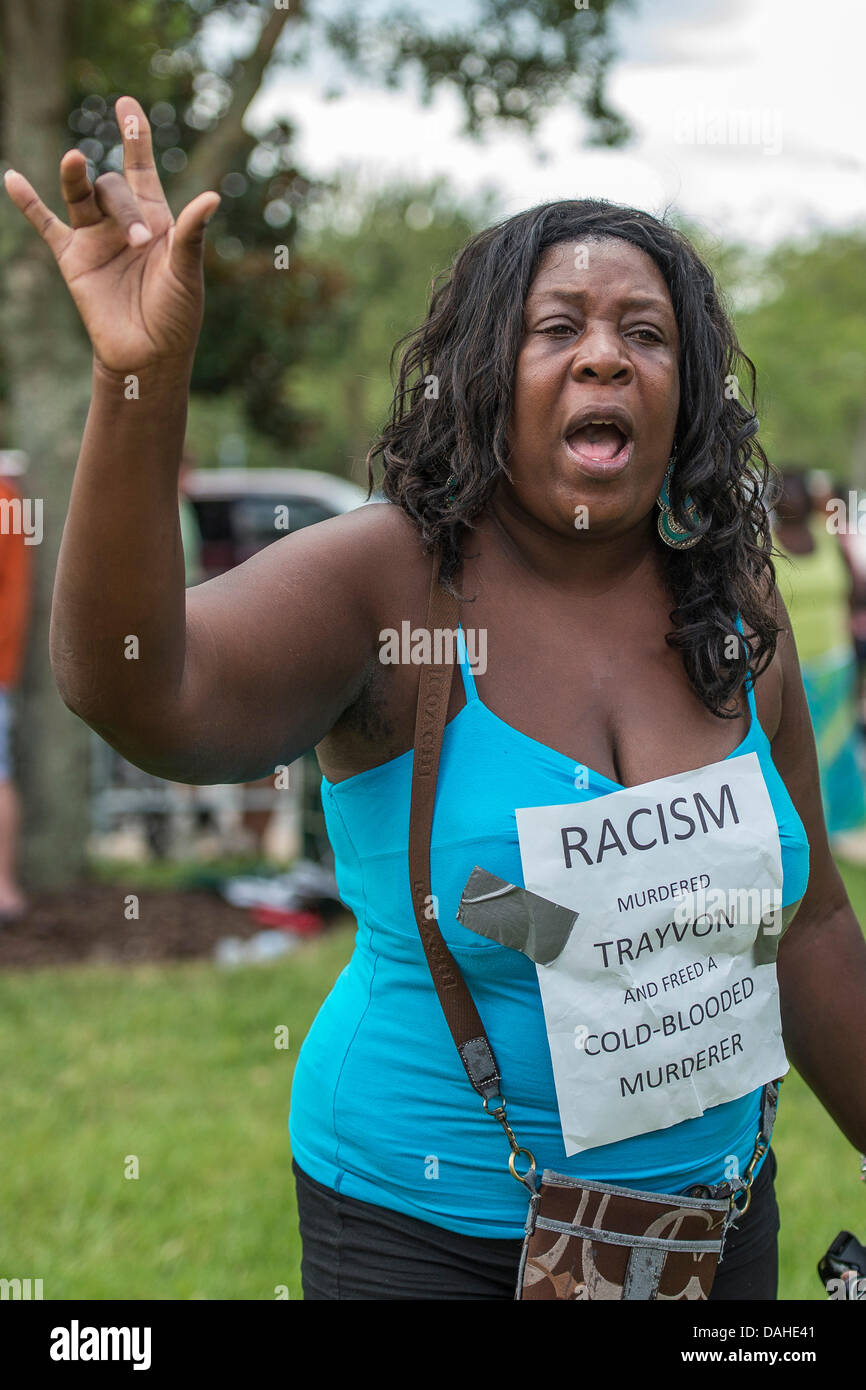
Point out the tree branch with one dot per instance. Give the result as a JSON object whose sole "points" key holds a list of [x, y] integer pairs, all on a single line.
{"points": [[212, 156]]}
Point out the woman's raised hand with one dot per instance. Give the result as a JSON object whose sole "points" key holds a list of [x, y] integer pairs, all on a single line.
{"points": [[134, 273]]}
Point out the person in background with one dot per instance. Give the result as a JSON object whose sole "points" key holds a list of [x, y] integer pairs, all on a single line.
{"points": [[822, 490], [847, 524], [816, 586], [15, 593]]}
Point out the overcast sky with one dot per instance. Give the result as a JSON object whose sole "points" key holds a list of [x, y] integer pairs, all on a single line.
{"points": [[748, 115]]}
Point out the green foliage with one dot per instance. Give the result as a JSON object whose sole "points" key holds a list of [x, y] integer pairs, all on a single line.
{"points": [[508, 61], [215, 425], [389, 246], [808, 339], [800, 314], [111, 50], [256, 328]]}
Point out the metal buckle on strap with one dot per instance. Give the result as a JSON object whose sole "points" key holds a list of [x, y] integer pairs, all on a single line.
{"points": [[769, 1104], [516, 1150], [760, 1149]]}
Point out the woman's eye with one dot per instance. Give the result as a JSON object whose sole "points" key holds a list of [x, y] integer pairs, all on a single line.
{"points": [[560, 329]]}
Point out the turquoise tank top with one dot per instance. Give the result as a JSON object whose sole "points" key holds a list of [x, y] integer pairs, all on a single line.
{"points": [[381, 1107]]}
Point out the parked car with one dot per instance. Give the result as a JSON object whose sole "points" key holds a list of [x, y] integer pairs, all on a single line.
{"points": [[237, 508], [238, 511]]}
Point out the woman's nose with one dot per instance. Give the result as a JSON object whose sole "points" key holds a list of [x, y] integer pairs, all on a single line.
{"points": [[600, 356]]}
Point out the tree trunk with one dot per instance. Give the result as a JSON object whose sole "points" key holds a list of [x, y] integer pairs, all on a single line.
{"points": [[48, 363]]}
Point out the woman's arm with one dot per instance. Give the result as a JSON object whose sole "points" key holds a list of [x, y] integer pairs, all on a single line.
{"points": [[224, 681], [822, 956]]}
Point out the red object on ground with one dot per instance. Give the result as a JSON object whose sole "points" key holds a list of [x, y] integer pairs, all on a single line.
{"points": [[290, 919]]}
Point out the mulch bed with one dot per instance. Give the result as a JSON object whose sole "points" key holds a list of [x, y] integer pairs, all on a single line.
{"points": [[87, 924]]}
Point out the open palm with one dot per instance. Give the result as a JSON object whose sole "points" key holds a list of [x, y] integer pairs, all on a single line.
{"points": [[133, 272]]}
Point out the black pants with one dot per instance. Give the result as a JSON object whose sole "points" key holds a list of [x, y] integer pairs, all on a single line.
{"points": [[354, 1249]]}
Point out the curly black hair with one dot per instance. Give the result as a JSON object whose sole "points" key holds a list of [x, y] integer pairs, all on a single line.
{"points": [[464, 356]]}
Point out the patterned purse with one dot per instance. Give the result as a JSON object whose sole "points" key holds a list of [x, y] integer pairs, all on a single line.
{"points": [[590, 1241], [583, 1240]]}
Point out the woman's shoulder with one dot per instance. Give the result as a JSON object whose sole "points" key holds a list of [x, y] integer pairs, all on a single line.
{"points": [[390, 547], [388, 556], [379, 555]]}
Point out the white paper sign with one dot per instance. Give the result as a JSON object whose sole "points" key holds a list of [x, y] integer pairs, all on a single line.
{"points": [[656, 1008]]}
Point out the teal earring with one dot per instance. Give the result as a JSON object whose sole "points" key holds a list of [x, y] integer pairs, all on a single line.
{"points": [[672, 533], [452, 483]]}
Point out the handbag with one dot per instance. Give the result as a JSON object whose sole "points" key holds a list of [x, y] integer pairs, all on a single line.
{"points": [[583, 1240]]}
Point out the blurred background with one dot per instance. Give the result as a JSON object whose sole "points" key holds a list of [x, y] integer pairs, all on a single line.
{"points": [[163, 949]]}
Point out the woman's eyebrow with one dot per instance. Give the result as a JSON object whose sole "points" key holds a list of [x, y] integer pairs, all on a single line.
{"points": [[629, 301]]}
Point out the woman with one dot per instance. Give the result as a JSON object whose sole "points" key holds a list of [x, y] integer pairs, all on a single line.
{"points": [[564, 316]]}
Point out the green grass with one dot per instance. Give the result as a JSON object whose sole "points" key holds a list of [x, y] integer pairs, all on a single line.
{"points": [[177, 1066]]}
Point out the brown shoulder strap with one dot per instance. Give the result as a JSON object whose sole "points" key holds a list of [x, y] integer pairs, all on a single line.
{"points": [[433, 693]]}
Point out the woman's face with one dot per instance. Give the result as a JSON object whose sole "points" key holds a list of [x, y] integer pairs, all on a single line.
{"points": [[600, 344]]}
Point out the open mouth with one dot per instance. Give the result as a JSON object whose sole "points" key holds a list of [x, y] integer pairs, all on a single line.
{"points": [[600, 445]]}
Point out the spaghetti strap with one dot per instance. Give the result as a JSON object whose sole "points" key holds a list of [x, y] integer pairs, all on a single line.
{"points": [[465, 669], [750, 680]]}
